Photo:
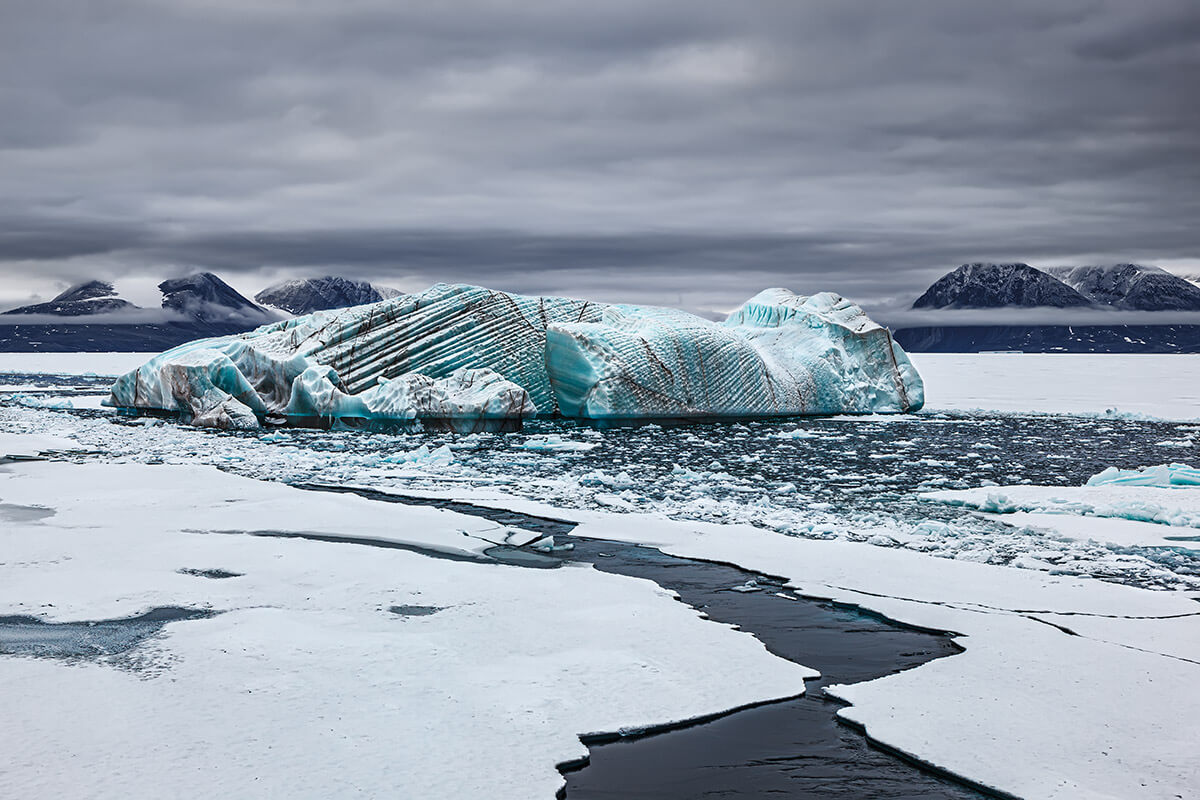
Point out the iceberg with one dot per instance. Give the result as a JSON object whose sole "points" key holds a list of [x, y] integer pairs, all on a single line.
{"points": [[475, 357]]}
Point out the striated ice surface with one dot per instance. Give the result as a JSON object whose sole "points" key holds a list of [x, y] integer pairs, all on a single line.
{"points": [[468, 353], [779, 354], [234, 382]]}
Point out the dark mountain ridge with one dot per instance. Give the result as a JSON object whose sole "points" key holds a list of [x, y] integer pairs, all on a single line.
{"points": [[306, 295], [998, 286]]}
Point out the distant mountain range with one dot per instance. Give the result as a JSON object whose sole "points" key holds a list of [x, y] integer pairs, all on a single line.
{"points": [[92, 317], [1124, 287], [999, 286], [93, 297], [307, 295]]}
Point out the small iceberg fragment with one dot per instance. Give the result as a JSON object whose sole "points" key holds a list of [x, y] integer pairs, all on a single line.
{"points": [[34, 401], [798, 433], [747, 587], [553, 443], [1162, 475], [424, 457]]}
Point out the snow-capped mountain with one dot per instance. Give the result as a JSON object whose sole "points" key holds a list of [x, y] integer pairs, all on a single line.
{"points": [[1127, 287], [1131, 286], [83, 299], [206, 298], [306, 295], [84, 318], [999, 285]]}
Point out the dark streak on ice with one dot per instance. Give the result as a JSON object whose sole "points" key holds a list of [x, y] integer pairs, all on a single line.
{"points": [[216, 574], [30, 636]]}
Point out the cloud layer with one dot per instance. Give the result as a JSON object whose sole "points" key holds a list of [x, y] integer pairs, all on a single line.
{"points": [[680, 151]]}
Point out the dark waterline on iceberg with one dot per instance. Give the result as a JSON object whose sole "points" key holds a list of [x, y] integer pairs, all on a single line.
{"points": [[792, 748]]}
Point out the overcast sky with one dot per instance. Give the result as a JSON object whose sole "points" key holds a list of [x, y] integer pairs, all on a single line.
{"points": [[678, 151]]}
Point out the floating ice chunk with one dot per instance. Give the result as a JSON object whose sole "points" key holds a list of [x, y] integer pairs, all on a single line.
{"points": [[34, 401], [1164, 475], [622, 480], [798, 433], [547, 545], [423, 456], [747, 587], [685, 474], [553, 443]]}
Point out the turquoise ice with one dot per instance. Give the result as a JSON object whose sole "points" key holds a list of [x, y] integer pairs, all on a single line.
{"points": [[467, 353]]}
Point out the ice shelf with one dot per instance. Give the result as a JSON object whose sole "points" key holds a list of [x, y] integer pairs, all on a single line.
{"points": [[469, 354]]}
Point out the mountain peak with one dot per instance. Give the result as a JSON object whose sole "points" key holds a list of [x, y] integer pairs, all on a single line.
{"points": [[80, 300], [1131, 286], [306, 295], [89, 290], [205, 297], [987, 285]]}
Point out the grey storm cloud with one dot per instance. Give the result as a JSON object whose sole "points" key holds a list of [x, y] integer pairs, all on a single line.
{"points": [[678, 151]]}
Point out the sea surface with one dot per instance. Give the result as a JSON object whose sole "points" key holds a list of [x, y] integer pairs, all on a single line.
{"points": [[844, 477]]}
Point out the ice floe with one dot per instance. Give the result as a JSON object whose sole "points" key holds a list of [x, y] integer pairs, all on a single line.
{"points": [[304, 681], [1067, 687], [1135, 507]]}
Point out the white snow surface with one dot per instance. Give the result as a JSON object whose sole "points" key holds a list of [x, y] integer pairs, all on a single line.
{"points": [[305, 685], [103, 364], [29, 444], [1029, 709], [1152, 385]]}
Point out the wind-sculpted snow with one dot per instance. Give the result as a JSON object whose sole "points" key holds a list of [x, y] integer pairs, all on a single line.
{"points": [[778, 354], [459, 352]]}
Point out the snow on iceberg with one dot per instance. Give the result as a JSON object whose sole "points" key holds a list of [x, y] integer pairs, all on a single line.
{"points": [[469, 354]]}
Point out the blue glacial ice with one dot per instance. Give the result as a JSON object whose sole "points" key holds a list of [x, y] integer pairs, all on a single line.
{"points": [[469, 355], [1162, 475], [779, 354]]}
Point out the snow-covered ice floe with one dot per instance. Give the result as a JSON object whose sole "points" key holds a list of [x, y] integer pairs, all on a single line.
{"points": [[470, 354], [1068, 687], [302, 682], [1152, 386], [1156, 506]]}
